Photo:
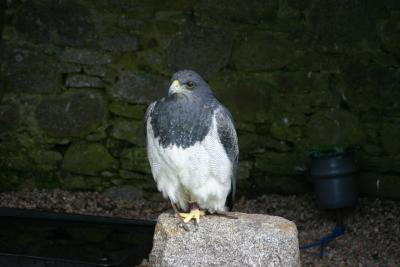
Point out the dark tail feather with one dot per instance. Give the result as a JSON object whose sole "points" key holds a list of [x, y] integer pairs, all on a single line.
{"points": [[230, 200]]}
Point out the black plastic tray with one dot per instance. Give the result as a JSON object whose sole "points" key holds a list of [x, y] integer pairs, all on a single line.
{"points": [[48, 239]]}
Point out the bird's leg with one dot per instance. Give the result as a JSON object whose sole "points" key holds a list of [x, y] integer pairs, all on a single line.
{"points": [[195, 213], [177, 214]]}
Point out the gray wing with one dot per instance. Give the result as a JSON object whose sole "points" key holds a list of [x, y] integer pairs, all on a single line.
{"points": [[147, 116], [227, 136]]}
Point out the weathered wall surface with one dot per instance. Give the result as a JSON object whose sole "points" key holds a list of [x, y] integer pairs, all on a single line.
{"points": [[2, 12], [296, 74]]}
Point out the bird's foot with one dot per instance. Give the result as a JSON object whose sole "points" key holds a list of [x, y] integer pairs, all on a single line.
{"points": [[194, 214], [181, 223]]}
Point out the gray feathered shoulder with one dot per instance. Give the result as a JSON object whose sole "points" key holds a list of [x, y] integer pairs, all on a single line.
{"points": [[227, 132], [147, 116], [228, 138]]}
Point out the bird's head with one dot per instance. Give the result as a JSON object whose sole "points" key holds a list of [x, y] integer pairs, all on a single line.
{"points": [[188, 82]]}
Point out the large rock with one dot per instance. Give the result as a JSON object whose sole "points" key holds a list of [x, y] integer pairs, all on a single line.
{"points": [[390, 137], [281, 184], [60, 22], [120, 43], [381, 164], [9, 118], [139, 87], [250, 143], [135, 159], [129, 111], [368, 87], [87, 158], [390, 36], [244, 170], [81, 80], [3, 5], [103, 71], [46, 160], [251, 12], [250, 240], [339, 23], [260, 51], [71, 115], [247, 96], [136, 7], [65, 67], [167, 25], [279, 163], [378, 184], [21, 77], [154, 61], [299, 93], [131, 131], [204, 50], [85, 56], [281, 129], [335, 127]]}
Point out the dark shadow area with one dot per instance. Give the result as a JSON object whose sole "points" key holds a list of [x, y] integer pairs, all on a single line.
{"points": [[34, 238]]}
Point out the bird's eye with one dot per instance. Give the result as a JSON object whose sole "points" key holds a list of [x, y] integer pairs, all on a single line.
{"points": [[190, 84]]}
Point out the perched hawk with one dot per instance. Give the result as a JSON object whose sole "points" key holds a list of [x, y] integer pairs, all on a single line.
{"points": [[192, 147]]}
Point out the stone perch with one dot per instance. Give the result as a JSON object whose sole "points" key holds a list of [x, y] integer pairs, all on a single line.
{"points": [[250, 240]]}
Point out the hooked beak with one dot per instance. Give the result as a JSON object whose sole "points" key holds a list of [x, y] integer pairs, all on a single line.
{"points": [[175, 88]]}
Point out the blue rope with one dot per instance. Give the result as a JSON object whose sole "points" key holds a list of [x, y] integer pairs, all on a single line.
{"points": [[337, 231]]}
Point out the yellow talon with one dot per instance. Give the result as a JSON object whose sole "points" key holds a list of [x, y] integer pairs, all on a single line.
{"points": [[194, 214]]}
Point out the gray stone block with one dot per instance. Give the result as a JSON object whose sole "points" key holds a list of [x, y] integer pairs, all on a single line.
{"points": [[126, 110], [103, 71], [341, 25], [131, 131], [260, 51], [71, 115], [205, 50], [32, 73], [9, 118], [249, 12], [69, 68], [247, 96], [335, 127], [80, 80], [250, 240], [87, 158], [120, 43], [84, 56], [139, 87], [60, 22], [135, 159]]}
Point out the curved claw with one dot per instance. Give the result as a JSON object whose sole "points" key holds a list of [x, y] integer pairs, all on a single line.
{"points": [[183, 225]]}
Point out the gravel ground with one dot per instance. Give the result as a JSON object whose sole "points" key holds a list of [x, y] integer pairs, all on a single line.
{"points": [[372, 229]]}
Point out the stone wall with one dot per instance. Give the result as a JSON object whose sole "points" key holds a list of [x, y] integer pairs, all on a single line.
{"points": [[296, 75], [2, 11]]}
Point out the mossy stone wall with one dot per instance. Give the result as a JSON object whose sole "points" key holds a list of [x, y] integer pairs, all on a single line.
{"points": [[77, 75]]}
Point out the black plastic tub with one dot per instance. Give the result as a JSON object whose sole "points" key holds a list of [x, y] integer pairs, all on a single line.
{"points": [[335, 180], [30, 238]]}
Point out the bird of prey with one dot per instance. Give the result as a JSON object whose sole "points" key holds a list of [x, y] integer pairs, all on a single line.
{"points": [[192, 147]]}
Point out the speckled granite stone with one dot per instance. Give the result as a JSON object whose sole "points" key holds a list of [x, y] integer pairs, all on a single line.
{"points": [[250, 240]]}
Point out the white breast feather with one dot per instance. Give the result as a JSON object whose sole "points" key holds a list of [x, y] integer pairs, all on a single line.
{"points": [[200, 173]]}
